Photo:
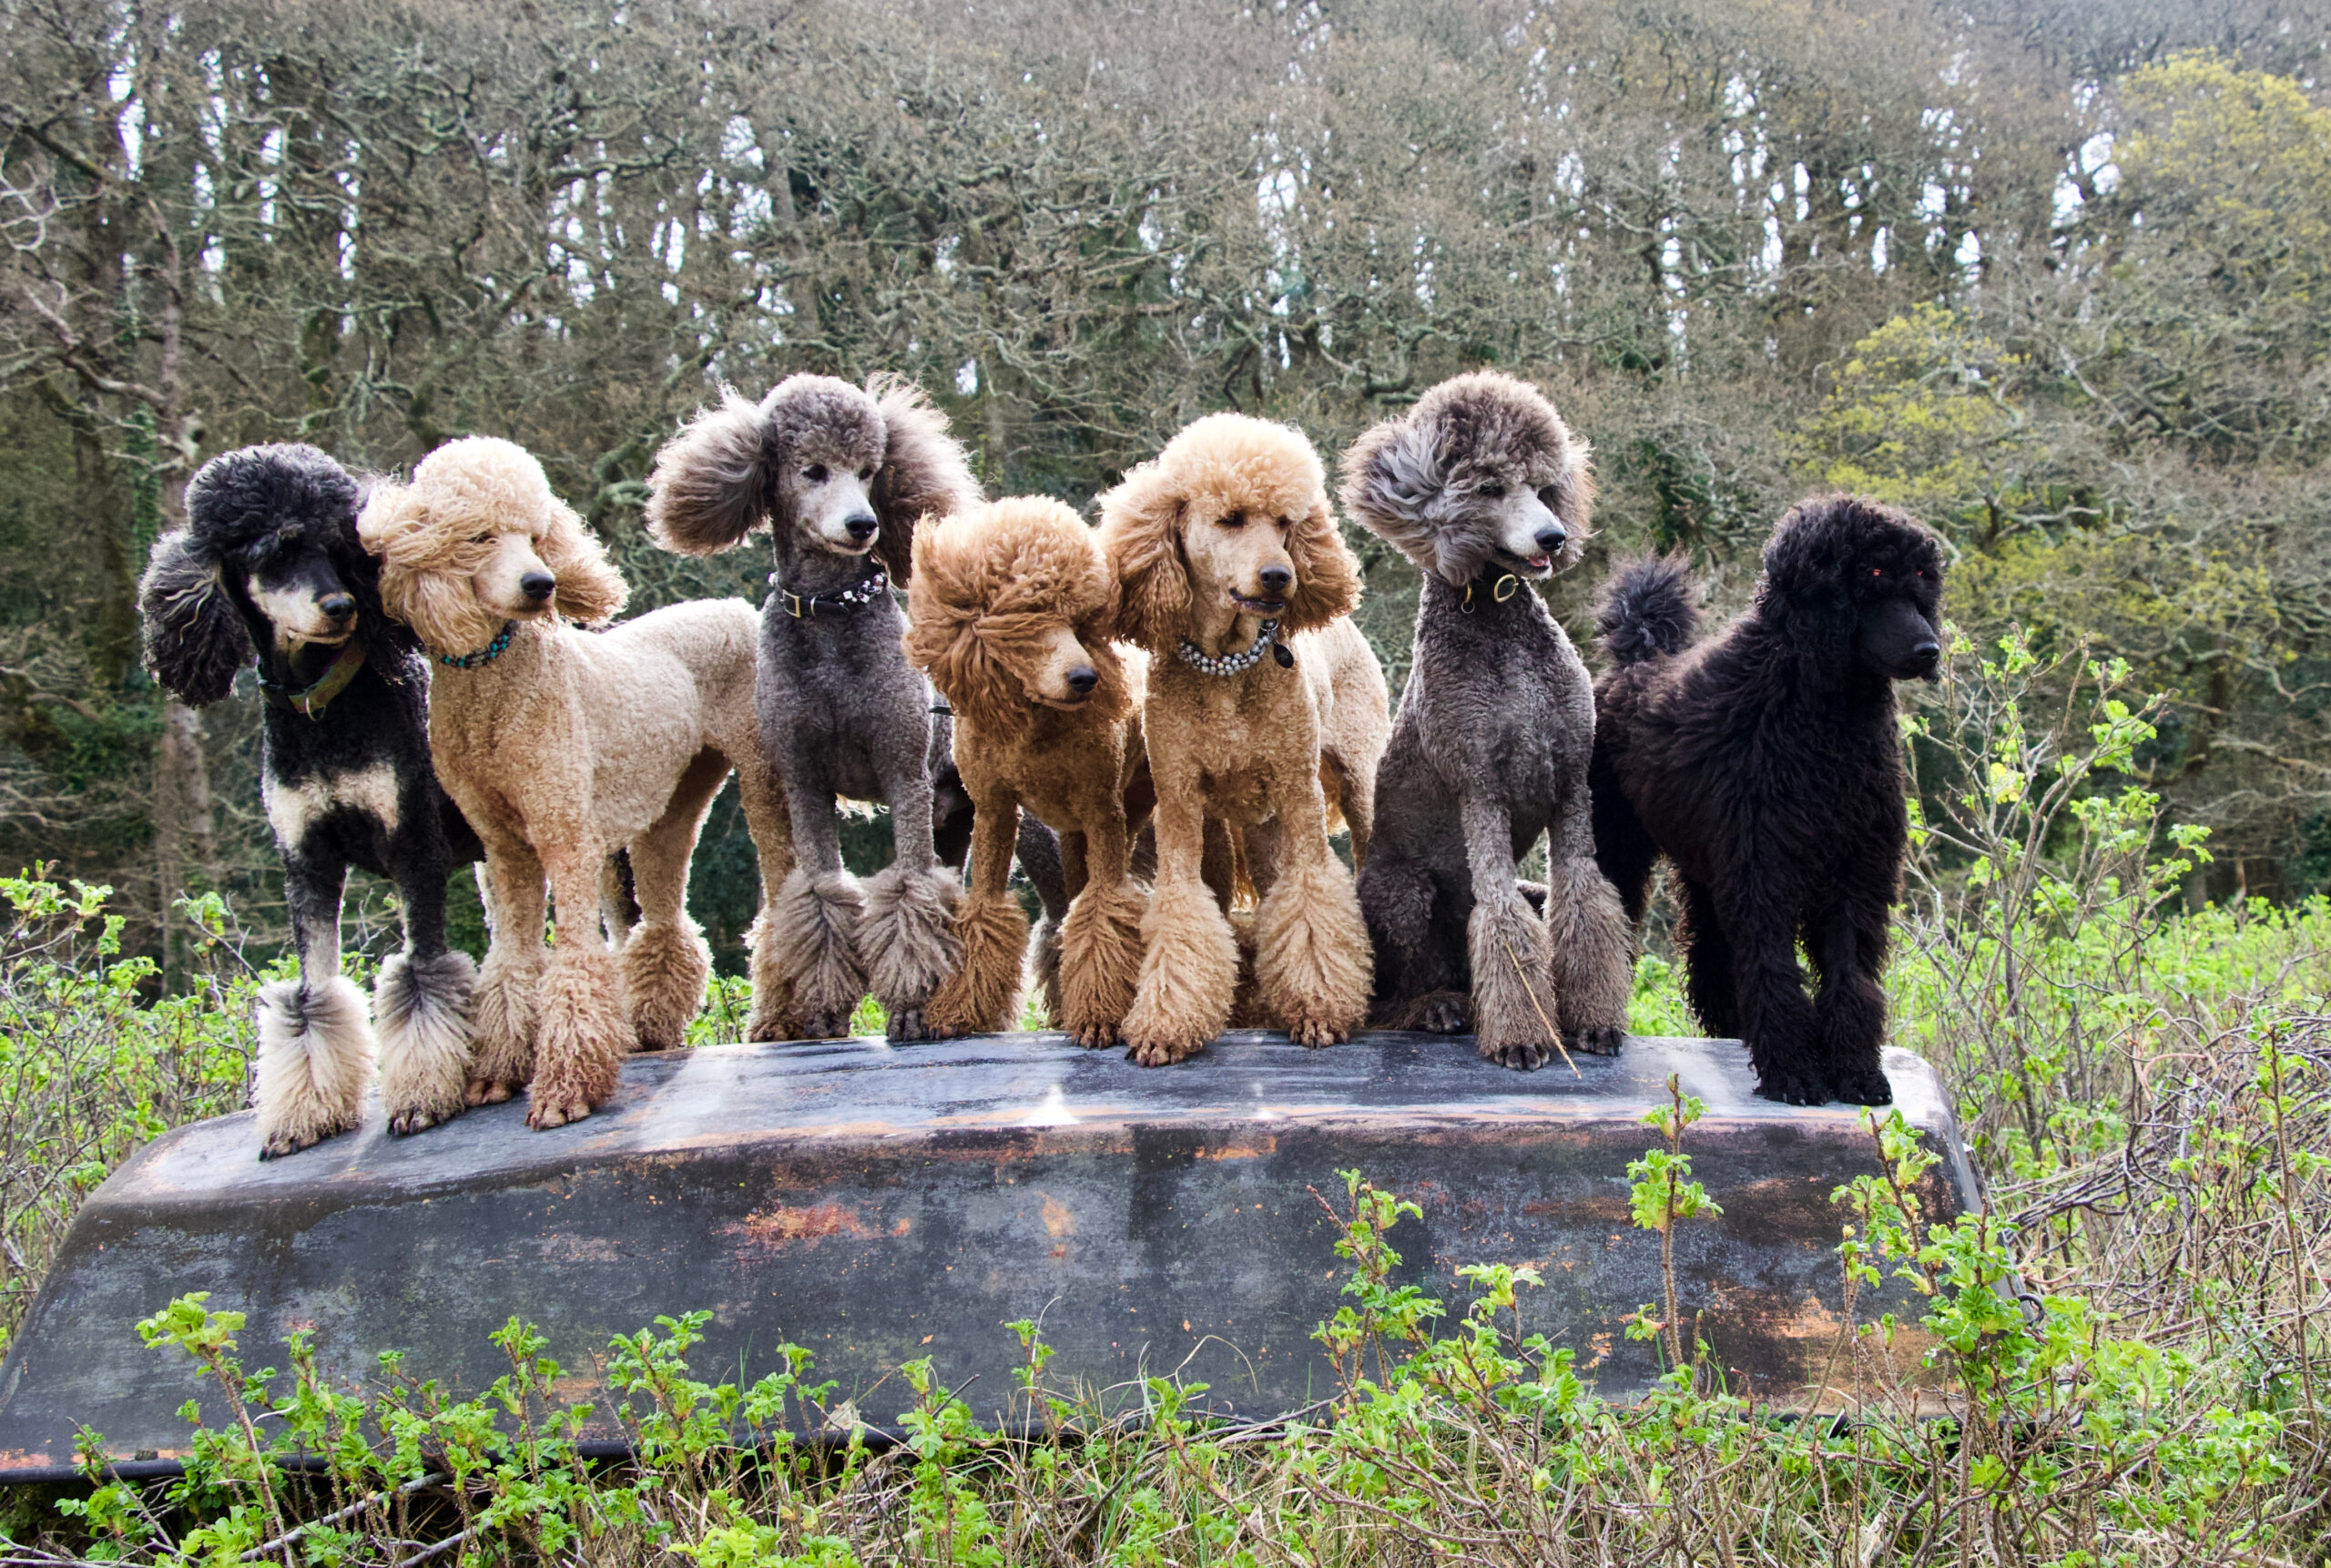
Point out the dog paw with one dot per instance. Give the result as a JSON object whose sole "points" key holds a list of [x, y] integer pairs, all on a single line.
{"points": [[913, 1023], [1521, 1056], [1596, 1042], [1315, 1034], [1868, 1087], [1094, 1036], [556, 1110], [490, 1091], [1162, 1052], [420, 1119], [1445, 1015], [282, 1144], [1795, 1089]]}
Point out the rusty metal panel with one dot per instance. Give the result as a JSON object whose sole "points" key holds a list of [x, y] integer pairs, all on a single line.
{"points": [[876, 1203]]}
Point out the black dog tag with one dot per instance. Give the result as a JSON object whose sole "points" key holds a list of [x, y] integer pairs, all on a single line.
{"points": [[1286, 659]]}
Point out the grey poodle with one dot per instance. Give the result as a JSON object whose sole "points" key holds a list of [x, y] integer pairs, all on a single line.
{"points": [[841, 475], [1486, 490]]}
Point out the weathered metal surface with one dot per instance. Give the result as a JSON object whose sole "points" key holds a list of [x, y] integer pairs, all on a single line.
{"points": [[877, 1203]]}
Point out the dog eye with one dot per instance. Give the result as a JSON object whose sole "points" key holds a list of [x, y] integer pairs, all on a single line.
{"points": [[865, 473], [1490, 491], [1552, 497], [483, 539], [1234, 520], [815, 473]]}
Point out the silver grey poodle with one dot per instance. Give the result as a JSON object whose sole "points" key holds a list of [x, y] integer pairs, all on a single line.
{"points": [[840, 475], [1486, 490]]}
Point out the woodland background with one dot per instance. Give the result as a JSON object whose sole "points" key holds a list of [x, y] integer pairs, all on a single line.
{"points": [[2055, 274]]}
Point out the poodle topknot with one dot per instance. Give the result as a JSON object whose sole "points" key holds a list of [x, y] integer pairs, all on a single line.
{"points": [[1477, 471], [879, 454], [999, 592], [1764, 763], [455, 546], [1221, 467], [1483, 486]]}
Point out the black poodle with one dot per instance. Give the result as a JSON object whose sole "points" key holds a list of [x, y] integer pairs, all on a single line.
{"points": [[1486, 490], [269, 568], [1765, 764]]}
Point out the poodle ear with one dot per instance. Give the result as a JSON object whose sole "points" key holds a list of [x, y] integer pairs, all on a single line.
{"points": [[710, 485], [1394, 478], [1327, 574], [195, 639], [1141, 530], [416, 586], [590, 590], [924, 472]]}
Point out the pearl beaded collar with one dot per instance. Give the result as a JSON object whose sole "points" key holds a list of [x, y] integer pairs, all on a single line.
{"points": [[1229, 664]]}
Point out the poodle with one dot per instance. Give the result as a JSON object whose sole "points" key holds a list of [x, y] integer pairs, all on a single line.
{"points": [[269, 568], [564, 746], [1486, 490], [1263, 698], [1011, 608], [840, 475], [1765, 764]]}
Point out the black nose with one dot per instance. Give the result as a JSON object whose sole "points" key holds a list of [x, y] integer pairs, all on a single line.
{"points": [[1552, 539], [1083, 679], [862, 526], [337, 607], [1927, 652], [1276, 580], [538, 586]]}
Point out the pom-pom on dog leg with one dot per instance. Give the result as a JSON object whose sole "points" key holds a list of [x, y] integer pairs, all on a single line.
{"points": [[1514, 1007], [772, 1016], [315, 1039], [813, 930], [976, 997], [505, 1007], [1588, 952], [315, 1057], [1312, 961], [1190, 970], [906, 940], [422, 1009], [665, 968], [584, 1035], [1100, 961]]}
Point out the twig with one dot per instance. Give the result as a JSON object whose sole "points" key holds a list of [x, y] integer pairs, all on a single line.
{"points": [[1531, 992], [440, 1549], [353, 1509]]}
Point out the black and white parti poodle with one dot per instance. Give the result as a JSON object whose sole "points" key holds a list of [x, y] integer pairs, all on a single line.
{"points": [[269, 568]]}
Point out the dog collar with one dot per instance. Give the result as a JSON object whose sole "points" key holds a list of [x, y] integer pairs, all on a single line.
{"points": [[1504, 588], [485, 655], [312, 701], [1233, 663], [865, 592]]}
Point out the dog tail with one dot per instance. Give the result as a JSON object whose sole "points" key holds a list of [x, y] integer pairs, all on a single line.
{"points": [[1647, 611]]}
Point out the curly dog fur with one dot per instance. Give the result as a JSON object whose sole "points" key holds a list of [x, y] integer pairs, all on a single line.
{"points": [[563, 749], [1764, 763], [1485, 489], [1013, 608], [269, 569], [1227, 528], [841, 475]]}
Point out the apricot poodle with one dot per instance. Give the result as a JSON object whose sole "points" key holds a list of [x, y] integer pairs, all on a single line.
{"points": [[1013, 608], [563, 746], [1264, 705], [1766, 765], [1486, 490], [840, 475]]}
